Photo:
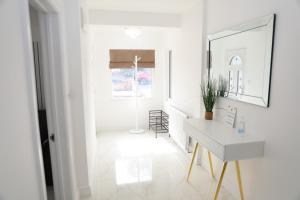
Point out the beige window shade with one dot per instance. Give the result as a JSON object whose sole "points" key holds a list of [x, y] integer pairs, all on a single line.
{"points": [[123, 58]]}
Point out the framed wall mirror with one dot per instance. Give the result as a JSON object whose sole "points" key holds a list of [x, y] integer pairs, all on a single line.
{"points": [[240, 59]]}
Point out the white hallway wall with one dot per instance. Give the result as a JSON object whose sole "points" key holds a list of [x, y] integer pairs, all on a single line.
{"points": [[276, 175], [89, 95], [18, 161], [125, 18], [186, 46], [79, 94], [118, 114]]}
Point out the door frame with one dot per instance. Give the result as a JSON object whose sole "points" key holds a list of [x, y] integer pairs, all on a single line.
{"points": [[55, 85]]}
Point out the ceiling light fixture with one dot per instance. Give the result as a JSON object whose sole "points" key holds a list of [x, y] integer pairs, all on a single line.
{"points": [[133, 32]]}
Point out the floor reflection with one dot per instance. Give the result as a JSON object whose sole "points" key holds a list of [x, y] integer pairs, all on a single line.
{"points": [[141, 167], [133, 170], [142, 147]]}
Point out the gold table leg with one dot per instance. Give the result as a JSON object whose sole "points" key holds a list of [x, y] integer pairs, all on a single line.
{"points": [[192, 161], [211, 165], [239, 179], [220, 180]]}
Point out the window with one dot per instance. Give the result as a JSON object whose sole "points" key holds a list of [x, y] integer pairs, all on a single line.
{"points": [[123, 82], [121, 65]]}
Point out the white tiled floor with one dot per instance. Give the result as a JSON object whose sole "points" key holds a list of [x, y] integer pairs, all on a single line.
{"points": [[140, 167]]}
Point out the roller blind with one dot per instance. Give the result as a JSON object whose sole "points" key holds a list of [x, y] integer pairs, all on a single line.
{"points": [[123, 58]]}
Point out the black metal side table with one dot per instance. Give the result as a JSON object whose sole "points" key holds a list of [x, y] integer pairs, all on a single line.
{"points": [[158, 122]]}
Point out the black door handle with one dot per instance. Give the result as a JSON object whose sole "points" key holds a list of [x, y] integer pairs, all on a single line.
{"points": [[52, 137]]}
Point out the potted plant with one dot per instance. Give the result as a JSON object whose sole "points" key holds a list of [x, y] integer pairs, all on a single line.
{"points": [[222, 87], [209, 95]]}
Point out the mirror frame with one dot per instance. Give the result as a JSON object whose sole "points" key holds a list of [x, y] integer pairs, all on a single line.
{"points": [[249, 25]]}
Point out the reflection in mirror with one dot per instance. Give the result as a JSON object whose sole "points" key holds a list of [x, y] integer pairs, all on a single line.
{"points": [[223, 86], [240, 58], [235, 61]]}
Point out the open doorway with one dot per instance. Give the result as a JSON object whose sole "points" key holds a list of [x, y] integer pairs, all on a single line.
{"points": [[39, 69]]}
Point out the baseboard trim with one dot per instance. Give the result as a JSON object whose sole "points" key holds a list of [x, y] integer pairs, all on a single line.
{"points": [[85, 191], [180, 146], [188, 154]]}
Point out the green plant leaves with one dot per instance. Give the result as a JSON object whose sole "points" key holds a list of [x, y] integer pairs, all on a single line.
{"points": [[209, 94]]}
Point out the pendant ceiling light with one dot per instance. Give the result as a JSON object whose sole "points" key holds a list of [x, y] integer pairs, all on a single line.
{"points": [[133, 32]]}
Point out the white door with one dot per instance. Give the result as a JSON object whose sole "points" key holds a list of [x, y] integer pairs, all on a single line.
{"points": [[38, 21]]}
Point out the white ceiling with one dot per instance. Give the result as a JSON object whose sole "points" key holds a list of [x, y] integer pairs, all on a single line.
{"points": [[156, 6]]}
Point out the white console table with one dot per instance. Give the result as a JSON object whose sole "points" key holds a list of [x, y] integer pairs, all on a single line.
{"points": [[225, 143]]}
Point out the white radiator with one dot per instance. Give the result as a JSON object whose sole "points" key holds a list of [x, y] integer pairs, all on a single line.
{"points": [[176, 117]]}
